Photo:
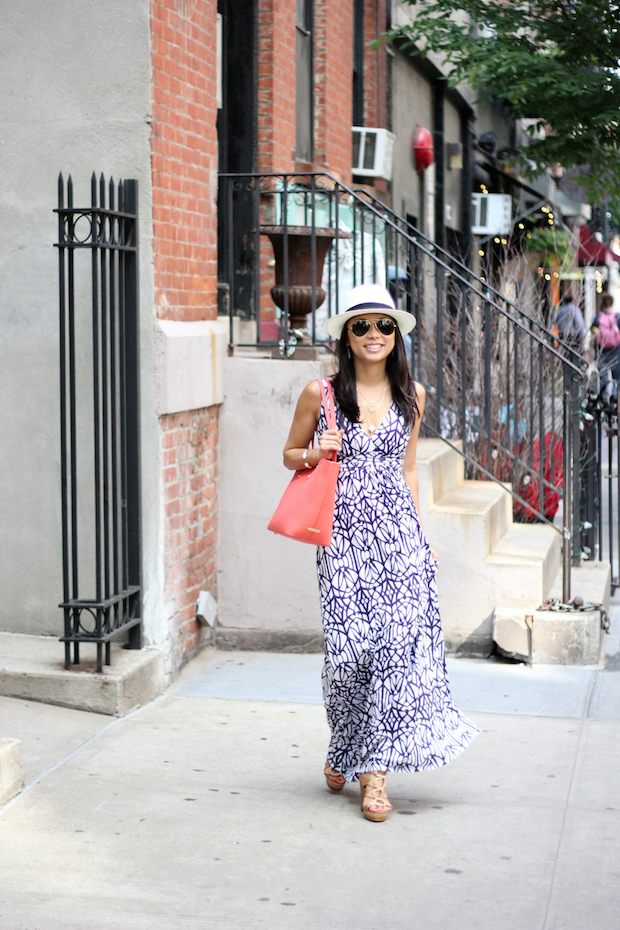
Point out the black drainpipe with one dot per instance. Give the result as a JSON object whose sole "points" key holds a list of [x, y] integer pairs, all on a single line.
{"points": [[466, 188], [439, 92]]}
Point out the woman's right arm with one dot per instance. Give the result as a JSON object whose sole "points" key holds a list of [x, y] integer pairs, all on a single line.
{"points": [[303, 429]]}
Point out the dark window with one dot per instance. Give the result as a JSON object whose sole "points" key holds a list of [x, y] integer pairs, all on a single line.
{"points": [[358, 63], [304, 104], [369, 150], [483, 211]]}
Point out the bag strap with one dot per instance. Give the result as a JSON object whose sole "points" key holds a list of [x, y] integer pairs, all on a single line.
{"points": [[329, 405]]}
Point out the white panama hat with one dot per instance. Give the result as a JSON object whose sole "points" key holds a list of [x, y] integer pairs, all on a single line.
{"points": [[374, 299]]}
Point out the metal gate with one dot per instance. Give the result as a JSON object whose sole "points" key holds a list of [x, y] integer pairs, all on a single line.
{"points": [[100, 417]]}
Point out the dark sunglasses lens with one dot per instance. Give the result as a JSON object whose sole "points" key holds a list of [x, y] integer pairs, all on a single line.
{"points": [[386, 326], [360, 327]]}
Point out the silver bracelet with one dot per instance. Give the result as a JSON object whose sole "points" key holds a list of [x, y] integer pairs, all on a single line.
{"points": [[304, 456]]}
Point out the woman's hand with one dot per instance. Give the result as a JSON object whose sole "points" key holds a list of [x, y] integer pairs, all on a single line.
{"points": [[330, 441], [435, 556]]}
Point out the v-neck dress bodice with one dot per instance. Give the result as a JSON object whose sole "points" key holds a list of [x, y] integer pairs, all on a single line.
{"points": [[385, 685]]}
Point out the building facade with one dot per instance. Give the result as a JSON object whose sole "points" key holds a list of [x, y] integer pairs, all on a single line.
{"points": [[147, 111], [184, 90]]}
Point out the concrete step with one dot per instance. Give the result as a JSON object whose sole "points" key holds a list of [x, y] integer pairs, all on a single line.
{"points": [[480, 512], [486, 560], [32, 667], [440, 468], [526, 562]]}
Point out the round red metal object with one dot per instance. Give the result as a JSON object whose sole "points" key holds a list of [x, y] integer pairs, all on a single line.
{"points": [[422, 149]]}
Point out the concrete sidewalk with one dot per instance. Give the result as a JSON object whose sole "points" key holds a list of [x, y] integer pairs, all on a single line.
{"points": [[207, 809]]}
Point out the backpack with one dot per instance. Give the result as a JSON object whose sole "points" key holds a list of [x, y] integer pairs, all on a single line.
{"points": [[608, 336]]}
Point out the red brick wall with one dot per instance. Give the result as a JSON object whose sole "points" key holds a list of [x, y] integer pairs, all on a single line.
{"points": [[276, 85], [190, 480], [375, 65], [333, 66], [184, 158], [184, 176]]}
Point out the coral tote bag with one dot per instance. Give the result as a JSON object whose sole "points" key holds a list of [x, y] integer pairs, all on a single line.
{"points": [[306, 511]]}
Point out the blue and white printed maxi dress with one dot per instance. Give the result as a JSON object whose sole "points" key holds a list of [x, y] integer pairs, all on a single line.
{"points": [[385, 686]]}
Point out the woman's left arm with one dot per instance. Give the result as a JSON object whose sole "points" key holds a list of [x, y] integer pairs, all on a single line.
{"points": [[410, 471]]}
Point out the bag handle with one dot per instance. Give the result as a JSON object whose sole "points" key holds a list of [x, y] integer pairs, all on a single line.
{"points": [[329, 406]]}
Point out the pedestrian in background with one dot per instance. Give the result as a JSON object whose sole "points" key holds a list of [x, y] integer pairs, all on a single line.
{"points": [[385, 685], [607, 330], [569, 321]]}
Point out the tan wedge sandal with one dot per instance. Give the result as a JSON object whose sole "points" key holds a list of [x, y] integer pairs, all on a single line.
{"points": [[375, 804], [335, 780]]}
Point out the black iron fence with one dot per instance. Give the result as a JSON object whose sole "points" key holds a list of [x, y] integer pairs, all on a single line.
{"points": [[99, 416], [502, 389], [600, 488]]}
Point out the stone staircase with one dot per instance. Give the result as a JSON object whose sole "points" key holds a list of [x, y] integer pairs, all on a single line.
{"points": [[486, 560]]}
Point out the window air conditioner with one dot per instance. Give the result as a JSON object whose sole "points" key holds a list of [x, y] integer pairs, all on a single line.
{"points": [[373, 152], [492, 214]]}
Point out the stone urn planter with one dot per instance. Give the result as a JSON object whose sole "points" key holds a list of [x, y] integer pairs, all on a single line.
{"points": [[300, 269]]}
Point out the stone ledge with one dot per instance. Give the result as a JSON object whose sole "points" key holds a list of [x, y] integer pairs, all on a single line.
{"points": [[231, 638], [11, 772], [558, 637], [32, 668]]}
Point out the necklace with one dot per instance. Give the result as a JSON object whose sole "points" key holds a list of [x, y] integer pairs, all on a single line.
{"points": [[373, 407], [373, 404]]}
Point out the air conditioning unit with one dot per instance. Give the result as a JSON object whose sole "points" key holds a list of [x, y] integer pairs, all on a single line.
{"points": [[492, 214], [373, 152]]}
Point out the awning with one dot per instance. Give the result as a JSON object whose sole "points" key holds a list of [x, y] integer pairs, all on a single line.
{"points": [[593, 252]]}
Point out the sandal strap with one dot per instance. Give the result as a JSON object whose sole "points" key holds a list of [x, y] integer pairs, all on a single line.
{"points": [[331, 772], [374, 791]]}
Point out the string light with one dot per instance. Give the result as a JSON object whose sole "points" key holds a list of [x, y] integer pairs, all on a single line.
{"points": [[480, 251], [521, 226], [496, 239], [504, 242]]}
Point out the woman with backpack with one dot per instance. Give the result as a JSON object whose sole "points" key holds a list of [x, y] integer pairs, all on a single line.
{"points": [[608, 338]]}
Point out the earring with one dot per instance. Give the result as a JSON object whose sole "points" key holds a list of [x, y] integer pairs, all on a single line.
{"points": [[348, 352]]}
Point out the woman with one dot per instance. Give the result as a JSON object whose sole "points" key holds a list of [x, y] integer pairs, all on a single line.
{"points": [[607, 330], [384, 679]]}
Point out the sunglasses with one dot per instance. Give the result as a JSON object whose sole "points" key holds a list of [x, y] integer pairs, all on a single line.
{"points": [[386, 326]]}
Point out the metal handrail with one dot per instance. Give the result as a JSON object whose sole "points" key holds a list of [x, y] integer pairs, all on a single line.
{"points": [[379, 205], [514, 361], [445, 265]]}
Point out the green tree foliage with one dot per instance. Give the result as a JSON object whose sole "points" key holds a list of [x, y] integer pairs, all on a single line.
{"points": [[550, 242], [555, 62]]}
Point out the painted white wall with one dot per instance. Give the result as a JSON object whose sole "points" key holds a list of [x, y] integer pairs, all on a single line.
{"points": [[265, 582], [411, 104], [75, 80]]}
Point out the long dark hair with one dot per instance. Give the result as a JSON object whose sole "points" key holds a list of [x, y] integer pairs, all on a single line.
{"points": [[396, 367]]}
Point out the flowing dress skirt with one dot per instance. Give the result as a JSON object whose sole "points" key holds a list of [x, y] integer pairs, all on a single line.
{"points": [[385, 684]]}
